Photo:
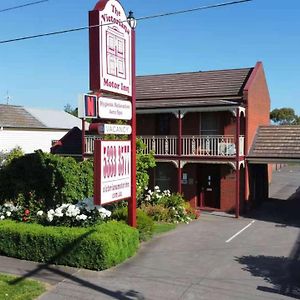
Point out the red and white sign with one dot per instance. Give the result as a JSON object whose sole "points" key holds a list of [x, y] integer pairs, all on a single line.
{"points": [[112, 171], [110, 49], [114, 109], [87, 106]]}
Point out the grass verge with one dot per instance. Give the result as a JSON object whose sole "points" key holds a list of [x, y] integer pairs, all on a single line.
{"points": [[26, 289], [163, 227]]}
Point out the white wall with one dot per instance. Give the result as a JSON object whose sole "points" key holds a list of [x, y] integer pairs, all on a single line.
{"points": [[28, 140]]}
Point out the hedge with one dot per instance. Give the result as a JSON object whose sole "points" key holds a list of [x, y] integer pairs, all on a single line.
{"points": [[96, 248], [145, 224]]}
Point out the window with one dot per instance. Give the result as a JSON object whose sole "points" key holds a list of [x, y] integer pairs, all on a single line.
{"points": [[163, 124], [209, 123]]}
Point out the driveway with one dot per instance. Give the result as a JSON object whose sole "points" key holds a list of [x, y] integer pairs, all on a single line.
{"points": [[215, 257]]}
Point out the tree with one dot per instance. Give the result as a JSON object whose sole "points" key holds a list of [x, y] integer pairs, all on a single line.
{"points": [[144, 162], [72, 111], [285, 116]]}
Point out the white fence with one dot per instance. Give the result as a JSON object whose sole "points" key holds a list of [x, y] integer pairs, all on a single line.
{"points": [[89, 143], [217, 145], [220, 145]]}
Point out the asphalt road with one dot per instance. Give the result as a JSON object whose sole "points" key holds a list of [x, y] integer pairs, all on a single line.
{"points": [[215, 257]]}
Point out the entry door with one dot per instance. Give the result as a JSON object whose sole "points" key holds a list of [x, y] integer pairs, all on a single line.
{"points": [[209, 186]]}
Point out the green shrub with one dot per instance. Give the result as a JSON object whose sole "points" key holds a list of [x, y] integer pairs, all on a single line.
{"points": [[99, 247], [191, 211], [157, 212], [7, 157], [143, 163], [174, 200], [45, 179], [145, 224], [87, 177], [166, 207]]}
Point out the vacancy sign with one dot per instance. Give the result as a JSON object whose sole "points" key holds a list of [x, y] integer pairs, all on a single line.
{"points": [[87, 106], [110, 67], [112, 171], [115, 129], [114, 109]]}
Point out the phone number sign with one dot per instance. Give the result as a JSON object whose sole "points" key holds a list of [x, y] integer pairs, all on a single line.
{"points": [[112, 171]]}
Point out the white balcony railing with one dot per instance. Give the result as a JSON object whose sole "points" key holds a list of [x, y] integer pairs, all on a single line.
{"points": [[161, 145], [220, 145], [89, 143], [242, 145]]}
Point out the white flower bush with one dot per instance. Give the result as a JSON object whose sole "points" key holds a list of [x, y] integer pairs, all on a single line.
{"points": [[165, 206], [83, 213], [9, 211], [153, 197]]}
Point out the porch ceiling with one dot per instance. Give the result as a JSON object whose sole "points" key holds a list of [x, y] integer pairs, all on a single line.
{"points": [[274, 144]]}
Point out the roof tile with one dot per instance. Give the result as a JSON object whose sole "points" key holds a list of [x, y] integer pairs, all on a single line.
{"points": [[194, 85], [276, 141], [17, 116]]}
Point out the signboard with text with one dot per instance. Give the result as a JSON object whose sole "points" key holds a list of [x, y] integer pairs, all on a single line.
{"points": [[112, 171], [117, 129], [110, 49], [113, 79], [114, 109]]}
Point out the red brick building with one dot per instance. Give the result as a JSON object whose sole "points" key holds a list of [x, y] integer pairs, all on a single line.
{"points": [[201, 126]]}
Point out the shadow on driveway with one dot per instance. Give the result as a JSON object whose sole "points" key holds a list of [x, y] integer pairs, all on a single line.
{"points": [[120, 295], [282, 272], [284, 212]]}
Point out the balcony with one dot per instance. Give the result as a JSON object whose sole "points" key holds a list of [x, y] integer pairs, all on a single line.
{"points": [[193, 146], [208, 146]]}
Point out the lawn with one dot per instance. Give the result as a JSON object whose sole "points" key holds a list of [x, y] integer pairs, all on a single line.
{"points": [[163, 227], [11, 289]]}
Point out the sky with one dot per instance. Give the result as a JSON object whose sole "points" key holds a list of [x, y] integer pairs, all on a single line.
{"points": [[51, 72]]}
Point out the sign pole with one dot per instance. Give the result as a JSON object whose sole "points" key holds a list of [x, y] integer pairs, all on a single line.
{"points": [[132, 203], [112, 71], [83, 138]]}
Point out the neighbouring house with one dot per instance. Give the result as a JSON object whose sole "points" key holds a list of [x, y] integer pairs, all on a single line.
{"points": [[201, 127], [33, 129]]}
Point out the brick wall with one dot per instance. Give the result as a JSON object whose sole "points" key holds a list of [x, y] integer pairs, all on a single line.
{"points": [[257, 96], [227, 188], [229, 123], [258, 102]]}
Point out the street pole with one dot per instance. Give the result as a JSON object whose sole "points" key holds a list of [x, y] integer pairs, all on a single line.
{"points": [[132, 203]]}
